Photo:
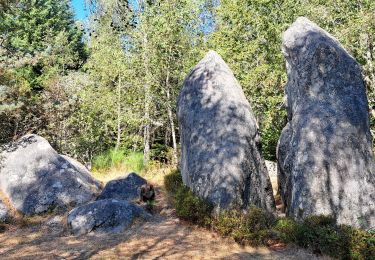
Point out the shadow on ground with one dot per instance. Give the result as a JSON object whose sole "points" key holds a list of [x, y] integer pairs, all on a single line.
{"points": [[164, 237]]}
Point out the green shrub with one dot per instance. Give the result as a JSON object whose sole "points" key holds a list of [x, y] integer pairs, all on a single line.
{"points": [[361, 242], [287, 229], [322, 235], [227, 222], [188, 206], [253, 227], [173, 181]]}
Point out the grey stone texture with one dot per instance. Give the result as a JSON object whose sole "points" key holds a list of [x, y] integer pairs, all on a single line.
{"points": [[4, 212], [104, 216], [271, 168], [325, 159], [126, 188], [220, 157], [36, 178]]}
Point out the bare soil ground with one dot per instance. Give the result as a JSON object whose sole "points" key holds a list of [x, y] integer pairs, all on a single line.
{"points": [[164, 237]]}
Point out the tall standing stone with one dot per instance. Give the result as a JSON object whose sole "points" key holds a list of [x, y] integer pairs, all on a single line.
{"points": [[325, 159], [220, 158]]}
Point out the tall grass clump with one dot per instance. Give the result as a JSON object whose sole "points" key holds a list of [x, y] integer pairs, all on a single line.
{"points": [[134, 162], [131, 161], [108, 159]]}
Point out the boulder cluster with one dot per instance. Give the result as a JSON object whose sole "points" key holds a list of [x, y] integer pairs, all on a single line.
{"points": [[325, 160], [36, 179]]}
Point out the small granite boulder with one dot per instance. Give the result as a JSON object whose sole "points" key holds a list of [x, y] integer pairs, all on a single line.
{"points": [[220, 156], [104, 216], [126, 188], [36, 178], [325, 158], [4, 212]]}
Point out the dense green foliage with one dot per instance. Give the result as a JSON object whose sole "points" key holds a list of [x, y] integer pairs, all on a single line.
{"points": [[248, 36], [114, 83], [39, 44], [256, 227]]}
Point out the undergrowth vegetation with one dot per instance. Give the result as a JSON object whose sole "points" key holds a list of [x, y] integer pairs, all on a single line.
{"points": [[256, 227], [132, 161], [187, 205]]}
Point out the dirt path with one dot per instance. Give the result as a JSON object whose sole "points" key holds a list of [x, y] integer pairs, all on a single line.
{"points": [[163, 237]]}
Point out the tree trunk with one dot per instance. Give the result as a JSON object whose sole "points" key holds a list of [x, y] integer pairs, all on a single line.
{"points": [[171, 122], [146, 133], [118, 141]]}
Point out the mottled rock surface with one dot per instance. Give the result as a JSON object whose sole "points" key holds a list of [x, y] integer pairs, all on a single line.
{"points": [[271, 168], [4, 212], [126, 188], [36, 178], [220, 158], [104, 216], [326, 164]]}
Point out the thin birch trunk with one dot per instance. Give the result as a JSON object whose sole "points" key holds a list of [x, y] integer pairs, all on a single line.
{"points": [[171, 122], [118, 141]]}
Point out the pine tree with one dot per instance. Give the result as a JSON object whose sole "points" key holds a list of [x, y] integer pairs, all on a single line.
{"points": [[39, 41]]}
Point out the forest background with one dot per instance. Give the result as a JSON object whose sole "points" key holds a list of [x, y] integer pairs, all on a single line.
{"points": [[104, 90]]}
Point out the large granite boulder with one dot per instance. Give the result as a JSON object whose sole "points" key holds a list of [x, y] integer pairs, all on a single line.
{"points": [[220, 157], [126, 188], [104, 216], [36, 178], [325, 159], [4, 212]]}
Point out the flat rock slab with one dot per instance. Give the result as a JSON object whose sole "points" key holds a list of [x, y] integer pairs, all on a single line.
{"points": [[104, 216], [220, 157], [326, 164], [126, 188], [36, 178]]}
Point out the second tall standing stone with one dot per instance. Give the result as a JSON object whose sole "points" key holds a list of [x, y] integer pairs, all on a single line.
{"points": [[325, 155]]}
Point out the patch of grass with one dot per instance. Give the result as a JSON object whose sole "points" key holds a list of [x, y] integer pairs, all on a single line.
{"points": [[134, 162], [111, 158], [257, 227]]}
